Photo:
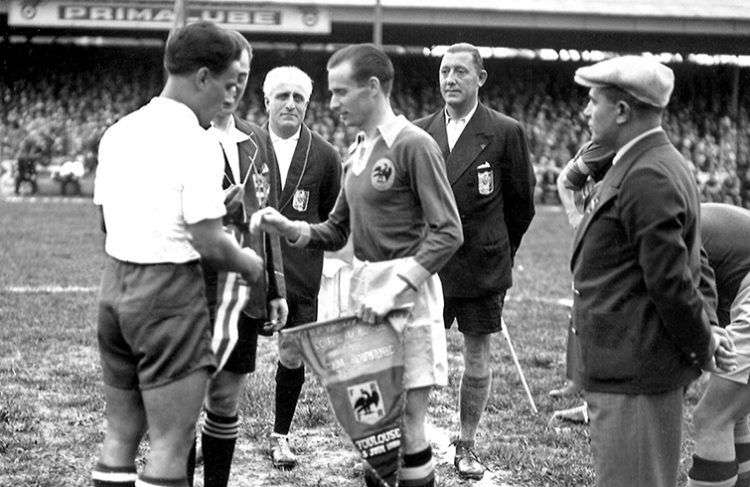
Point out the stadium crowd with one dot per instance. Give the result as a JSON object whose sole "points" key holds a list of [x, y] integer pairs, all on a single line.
{"points": [[56, 109]]}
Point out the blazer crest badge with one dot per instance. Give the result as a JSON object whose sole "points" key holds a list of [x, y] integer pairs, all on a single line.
{"points": [[485, 179], [300, 200]]}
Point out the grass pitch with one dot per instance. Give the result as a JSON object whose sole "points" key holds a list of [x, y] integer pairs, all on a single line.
{"points": [[51, 404]]}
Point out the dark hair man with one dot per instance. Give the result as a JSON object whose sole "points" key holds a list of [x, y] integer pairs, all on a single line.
{"points": [[153, 325]]}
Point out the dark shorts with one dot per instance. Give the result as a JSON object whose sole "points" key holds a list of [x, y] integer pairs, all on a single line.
{"points": [[153, 326], [475, 316], [302, 309], [242, 357]]}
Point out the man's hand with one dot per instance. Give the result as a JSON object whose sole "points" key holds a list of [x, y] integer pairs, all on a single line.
{"points": [[724, 358], [270, 220], [277, 315], [379, 303]]}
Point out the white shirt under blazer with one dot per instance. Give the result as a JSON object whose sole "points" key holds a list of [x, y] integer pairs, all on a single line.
{"points": [[158, 171]]}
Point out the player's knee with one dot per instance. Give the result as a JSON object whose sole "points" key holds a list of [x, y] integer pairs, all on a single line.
{"points": [[707, 419], [223, 397]]}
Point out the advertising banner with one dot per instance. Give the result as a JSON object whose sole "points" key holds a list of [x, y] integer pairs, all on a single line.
{"points": [[158, 15]]}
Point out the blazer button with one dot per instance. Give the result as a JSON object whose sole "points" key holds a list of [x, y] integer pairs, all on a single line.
{"points": [[462, 216], [576, 292], [573, 330]]}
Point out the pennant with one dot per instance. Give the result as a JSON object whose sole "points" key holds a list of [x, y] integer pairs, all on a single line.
{"points": [[361, 367]]}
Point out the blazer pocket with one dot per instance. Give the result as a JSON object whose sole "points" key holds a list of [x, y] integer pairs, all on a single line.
{"points": [[610, 346]]}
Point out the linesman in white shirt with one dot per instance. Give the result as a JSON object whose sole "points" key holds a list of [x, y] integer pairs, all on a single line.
{"points": [[159, 187], [310, 171]]}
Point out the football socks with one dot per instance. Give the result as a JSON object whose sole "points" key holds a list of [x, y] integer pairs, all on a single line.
{"points": [[288, 387], [218, 439]]}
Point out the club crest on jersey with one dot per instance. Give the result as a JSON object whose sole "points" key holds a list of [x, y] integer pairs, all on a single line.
{"points": [[366, 402], [383, 174], [301, 197], [485, 179]]}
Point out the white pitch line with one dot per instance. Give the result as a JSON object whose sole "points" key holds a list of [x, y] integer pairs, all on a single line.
{"points": [[49, 289], [565, 302], [48, 199]]}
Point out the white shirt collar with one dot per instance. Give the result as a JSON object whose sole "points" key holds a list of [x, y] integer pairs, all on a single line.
{"points": [[465, 119], [633, 141], [390, 129], [275, 138], [231, 132]]}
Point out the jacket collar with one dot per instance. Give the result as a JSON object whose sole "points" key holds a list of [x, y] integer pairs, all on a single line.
{"points": [[610, 185]]}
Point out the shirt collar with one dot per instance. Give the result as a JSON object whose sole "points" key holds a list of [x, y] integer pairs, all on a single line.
{"points": [[391, 128], [465, 118], [275, 138], [231, 132], [633, 141]]}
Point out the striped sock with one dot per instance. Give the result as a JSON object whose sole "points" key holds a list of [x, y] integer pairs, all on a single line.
{"points": [[104, 476], [219, 437], [473, 395], [144, 481], [710, 473], [742, 451], [418, 470]]}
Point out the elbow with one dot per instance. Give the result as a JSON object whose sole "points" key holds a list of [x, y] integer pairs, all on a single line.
{"points": [[458, 239]]}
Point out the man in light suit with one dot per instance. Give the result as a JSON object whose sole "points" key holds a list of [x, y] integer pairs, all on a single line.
{"points": [[638, 313], [309, 172], [488, 167], [239, 311]]}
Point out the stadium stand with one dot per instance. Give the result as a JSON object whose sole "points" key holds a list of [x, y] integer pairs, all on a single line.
{"points": [[57, 107]]}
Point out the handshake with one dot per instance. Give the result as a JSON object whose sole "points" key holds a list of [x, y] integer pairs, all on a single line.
{"points": [[271, 221]]}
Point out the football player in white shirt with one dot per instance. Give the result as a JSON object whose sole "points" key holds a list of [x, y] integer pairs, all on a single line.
{"points": [[159, 187]]}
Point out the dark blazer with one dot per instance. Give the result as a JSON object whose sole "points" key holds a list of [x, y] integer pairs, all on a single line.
{"points": [[637, 311], [253, 155], [312, 185], [493, 183]]}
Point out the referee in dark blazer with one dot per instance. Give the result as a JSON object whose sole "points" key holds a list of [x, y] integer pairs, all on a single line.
{"points": [[308, 180], [487, 162]]}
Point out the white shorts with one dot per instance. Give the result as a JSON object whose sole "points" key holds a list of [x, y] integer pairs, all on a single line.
{"points": [[739, 331], [425, 348]]}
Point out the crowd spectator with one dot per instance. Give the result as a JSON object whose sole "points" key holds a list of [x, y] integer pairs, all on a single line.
{"points": [[70, 94]]}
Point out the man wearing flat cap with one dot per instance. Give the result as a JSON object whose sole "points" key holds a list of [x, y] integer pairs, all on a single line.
{"points": [[638, 313]]}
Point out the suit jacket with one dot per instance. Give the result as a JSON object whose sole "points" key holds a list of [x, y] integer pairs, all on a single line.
{"points": [[311, 188], [253, 155], [636, 269], [493, 183]]}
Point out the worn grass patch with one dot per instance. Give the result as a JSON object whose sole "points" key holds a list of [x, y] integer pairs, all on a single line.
{"points": [[51, 405]]}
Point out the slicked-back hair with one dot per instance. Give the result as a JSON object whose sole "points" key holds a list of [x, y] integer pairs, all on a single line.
{"points": [[244, 43], [367, 60], [471, 49], [202, 44]]}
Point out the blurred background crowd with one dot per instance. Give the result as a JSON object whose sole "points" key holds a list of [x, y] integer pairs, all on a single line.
{"points": [[55, 109]]}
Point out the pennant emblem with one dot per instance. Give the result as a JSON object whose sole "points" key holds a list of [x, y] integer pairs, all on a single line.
{"points": [[485, 179], [301, 197], [366, 402]]}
